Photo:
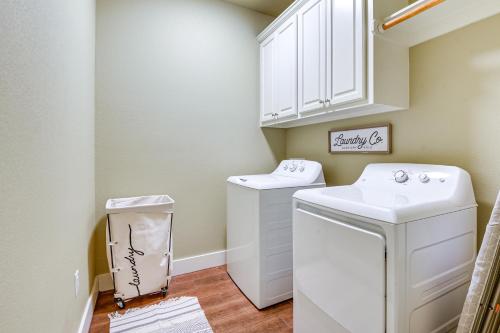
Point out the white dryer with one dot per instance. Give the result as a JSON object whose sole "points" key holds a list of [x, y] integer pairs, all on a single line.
{"points": [[259, 229], [394, 252]]}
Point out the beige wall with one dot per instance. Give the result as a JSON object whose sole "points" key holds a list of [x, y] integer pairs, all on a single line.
{"points": [[176, 103], [454, 116], [46, 162]]}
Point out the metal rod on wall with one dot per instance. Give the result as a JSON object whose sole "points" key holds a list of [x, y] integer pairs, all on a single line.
{"points": [[411, 12]]}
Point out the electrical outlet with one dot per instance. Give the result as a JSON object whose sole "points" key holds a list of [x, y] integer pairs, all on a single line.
{"points": [[77, 282]]}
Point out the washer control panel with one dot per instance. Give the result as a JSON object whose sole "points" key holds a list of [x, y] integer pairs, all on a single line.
{"points": [[294, 165], [299, 169]]}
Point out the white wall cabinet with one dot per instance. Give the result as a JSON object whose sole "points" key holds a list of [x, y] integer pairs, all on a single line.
{"points": [[286, 69], [346, 52], [334, 68], [312, 56], [267, 69], [278, 73]]}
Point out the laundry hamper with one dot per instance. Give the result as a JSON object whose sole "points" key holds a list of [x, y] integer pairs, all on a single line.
{"points": [[139, 245]]}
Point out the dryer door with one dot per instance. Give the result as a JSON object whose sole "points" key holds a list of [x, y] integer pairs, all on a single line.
{"points": [[339, 276]]}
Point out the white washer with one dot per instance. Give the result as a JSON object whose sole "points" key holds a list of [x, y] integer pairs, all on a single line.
{"points": [[394, 252], [259, 229]]}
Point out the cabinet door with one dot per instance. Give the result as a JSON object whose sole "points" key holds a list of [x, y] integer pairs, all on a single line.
{"points": [[312, 56], [286, 69], [346, 55], [267, 78]]}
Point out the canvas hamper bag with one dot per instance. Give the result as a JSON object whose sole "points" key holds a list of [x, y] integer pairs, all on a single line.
{"points": [[139, 245]]}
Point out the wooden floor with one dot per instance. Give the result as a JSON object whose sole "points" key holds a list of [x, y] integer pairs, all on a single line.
{"points": [[226, 308]]}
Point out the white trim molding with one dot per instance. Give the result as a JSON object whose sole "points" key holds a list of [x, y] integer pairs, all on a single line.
{"points": [[180, 266], [289, 12], [199, 262], [88, 311]]}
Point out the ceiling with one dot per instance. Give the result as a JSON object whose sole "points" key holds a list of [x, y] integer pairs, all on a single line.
{"points": [[269, 7]]}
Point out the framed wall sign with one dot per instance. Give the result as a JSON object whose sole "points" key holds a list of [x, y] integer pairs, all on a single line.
{"points": [[366, 139]]}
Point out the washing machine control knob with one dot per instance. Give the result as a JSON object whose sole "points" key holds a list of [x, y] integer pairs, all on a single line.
{"points": [[285, 167], [424, 178], [302, 168], [293, 167], [400, 176]]}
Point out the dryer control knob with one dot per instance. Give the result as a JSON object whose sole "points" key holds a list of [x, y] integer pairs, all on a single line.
{"points": [[293, 167], [400, 176], [301, 168], [424, 178], [285, 167]]}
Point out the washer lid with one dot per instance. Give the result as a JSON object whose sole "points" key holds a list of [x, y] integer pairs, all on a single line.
{"points": [[398, 193], [266, 181], [290, 173]]}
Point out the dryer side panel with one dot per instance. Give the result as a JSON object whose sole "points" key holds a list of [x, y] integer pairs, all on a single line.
{"points": [[440, 255]]}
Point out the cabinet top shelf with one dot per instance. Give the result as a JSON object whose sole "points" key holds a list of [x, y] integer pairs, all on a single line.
{"points": [[439, 18]]}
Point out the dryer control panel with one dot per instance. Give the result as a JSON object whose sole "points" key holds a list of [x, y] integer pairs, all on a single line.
{"points": [[402, 176], [398, 192], [404, 184], [424, 175]]}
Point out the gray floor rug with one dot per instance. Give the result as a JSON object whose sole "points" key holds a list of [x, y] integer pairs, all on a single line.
{"points": [[178, 315]]}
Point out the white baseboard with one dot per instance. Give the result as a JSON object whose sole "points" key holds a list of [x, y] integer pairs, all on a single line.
{"points": [[180, 266], [88, 312], [197, 263]]}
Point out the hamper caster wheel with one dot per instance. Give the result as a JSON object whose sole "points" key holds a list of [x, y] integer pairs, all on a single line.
{"points": [[164, 291], [120, 303]]}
